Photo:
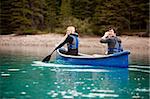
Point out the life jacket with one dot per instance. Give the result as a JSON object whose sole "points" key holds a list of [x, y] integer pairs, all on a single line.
{"points": [[75, 43], [117, 47]]}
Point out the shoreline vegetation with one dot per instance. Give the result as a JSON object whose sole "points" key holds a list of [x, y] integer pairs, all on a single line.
{"points": [[88, 16]]}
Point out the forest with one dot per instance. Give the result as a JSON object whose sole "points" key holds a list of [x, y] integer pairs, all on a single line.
{"points": [[88, 16]]}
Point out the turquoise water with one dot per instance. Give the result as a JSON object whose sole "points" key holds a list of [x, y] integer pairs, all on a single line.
{"points": [[23, 76]]}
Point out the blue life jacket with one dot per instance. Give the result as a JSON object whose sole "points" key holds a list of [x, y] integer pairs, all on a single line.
{"points": [[74, 44], [117, 47]]}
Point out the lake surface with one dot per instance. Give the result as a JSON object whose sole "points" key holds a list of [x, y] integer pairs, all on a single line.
{"points": [[23, 76]]}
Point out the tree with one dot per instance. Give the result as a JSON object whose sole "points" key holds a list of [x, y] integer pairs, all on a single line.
{"points": [[29, 16], [66, 8], [52, 14], [83, 9], [5, 16], [19, 12]]}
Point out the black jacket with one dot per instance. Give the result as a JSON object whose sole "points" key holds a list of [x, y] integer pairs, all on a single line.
{"points": [[69, 40], [111, 41]]}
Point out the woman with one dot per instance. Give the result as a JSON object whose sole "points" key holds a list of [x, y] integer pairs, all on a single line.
{"points": [[112, 41], [72, 41]]}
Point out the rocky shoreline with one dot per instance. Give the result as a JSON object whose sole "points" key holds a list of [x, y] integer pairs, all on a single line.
{"points": [[50, 40], [138, 46]]}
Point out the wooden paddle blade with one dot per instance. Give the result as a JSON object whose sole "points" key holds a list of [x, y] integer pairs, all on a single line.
{"points": [[46, 59]]}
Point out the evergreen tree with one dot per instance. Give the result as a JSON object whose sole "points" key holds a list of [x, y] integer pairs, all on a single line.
{"points": [[31, 15], [112, 13], [139, 14], [125, 15], [18, 10], [66, 8], [66, 14], [52, 14], [83, 9], [37, 13], [5, 16]]}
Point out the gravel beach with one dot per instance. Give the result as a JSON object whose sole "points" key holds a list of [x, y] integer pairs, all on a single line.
{"points": [[138, 46]]}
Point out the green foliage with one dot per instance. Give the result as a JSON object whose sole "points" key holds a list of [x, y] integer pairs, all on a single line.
{"points": [[27, 32], [89, 16], [82, 26], [83, 9], [5, 15], [51, 15], [66, 8]]}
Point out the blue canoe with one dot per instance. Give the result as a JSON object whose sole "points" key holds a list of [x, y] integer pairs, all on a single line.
{"points": [[113, 60]]}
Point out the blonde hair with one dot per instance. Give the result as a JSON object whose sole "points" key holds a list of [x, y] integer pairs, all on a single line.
{"points": [[71, 29]]}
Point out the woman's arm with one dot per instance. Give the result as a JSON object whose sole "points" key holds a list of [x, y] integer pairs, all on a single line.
{"points": [[62, 43]]}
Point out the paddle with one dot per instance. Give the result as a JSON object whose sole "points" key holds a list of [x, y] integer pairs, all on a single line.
{"points": [[47, 58]]}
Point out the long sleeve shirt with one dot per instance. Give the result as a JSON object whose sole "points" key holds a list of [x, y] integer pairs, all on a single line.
{"points": [[110, 41]]}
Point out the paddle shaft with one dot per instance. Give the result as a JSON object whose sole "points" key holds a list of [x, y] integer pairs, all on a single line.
{"points": [[47, 58]]}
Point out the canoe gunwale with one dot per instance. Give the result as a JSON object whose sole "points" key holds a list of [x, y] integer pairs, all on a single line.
{"points": [[113, 60], [86, 56]]}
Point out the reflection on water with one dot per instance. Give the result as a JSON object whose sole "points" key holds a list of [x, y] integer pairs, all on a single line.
{"points": [[91, 82], [22, 77]]}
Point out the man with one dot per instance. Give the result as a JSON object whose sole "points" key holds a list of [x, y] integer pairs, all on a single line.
{"points": [[112, 41]]}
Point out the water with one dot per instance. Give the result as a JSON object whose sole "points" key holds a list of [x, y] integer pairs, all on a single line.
{"points": [[23, 76]]}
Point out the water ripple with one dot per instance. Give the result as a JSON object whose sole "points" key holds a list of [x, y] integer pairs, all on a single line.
{"points": [[139, 70], [135, 66], [108, 91], [5, 75], [101, 95], [82, 70], [39, 63], [13, 70], [142, 90]]}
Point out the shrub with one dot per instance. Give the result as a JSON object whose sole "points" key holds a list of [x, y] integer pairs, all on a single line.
{"points": [[82, 26]]}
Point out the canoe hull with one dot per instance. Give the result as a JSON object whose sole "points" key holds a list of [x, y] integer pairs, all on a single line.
{"points": [[113, 60]]}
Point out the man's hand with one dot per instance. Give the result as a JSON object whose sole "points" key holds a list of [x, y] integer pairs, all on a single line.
{"points": [[105, 35]]}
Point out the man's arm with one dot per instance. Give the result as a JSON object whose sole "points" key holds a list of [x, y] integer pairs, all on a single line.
{"points": [[104, 39], [119, 40]]}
